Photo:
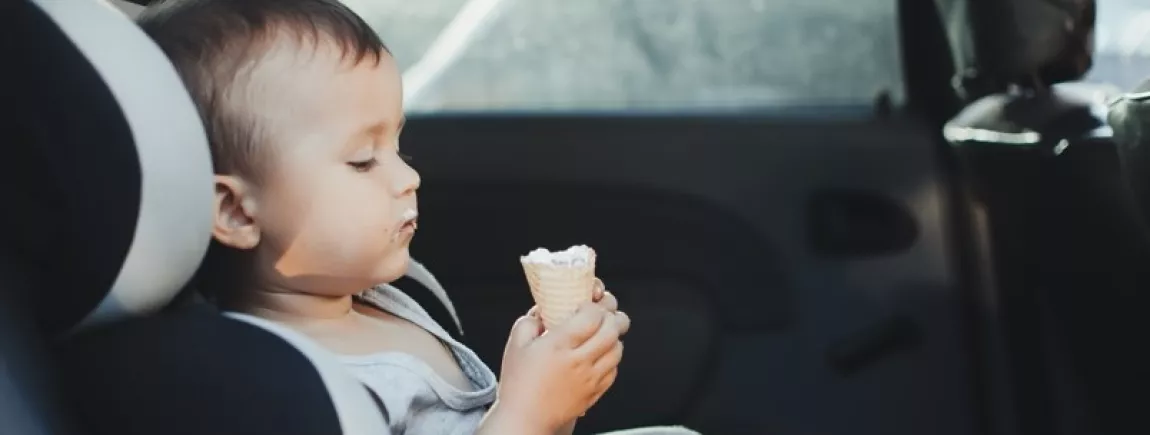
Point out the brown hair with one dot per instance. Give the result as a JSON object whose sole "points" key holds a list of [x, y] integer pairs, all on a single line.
{"points": [[213, 44]]}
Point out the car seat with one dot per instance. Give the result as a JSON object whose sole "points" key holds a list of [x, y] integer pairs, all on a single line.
{"points": [[1130, 119], [1067, 247], [108, 184]]}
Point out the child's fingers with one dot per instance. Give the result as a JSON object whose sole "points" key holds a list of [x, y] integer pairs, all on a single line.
{"points": [[586, 321], [608, 302], [623, 321], [609, 361], [525, 330], [533, 312], [606, 382], [597, 290], [601, 343]]}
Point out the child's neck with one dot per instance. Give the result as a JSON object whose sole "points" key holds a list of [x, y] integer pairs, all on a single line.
{"points": [[295, 307]]}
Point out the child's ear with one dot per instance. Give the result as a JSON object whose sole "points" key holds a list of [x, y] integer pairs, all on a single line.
{"points": [[233, 221]]}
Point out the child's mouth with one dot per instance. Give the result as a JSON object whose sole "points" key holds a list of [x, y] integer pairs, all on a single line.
{"points": [[409, 226], [410, 221]]}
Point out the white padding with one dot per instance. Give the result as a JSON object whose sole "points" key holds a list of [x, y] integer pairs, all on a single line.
{"points": [[174, 223], [358, 413]]}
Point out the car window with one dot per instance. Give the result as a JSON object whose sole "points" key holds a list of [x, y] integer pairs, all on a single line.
{"points": [[1122, 43], [516, 55]]}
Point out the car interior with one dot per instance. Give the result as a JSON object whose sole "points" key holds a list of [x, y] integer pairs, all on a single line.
{"points": [[961, 251]]}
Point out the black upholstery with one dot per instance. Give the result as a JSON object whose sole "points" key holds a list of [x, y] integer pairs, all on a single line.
{"points": [[193, 372], [1099, 297], [108, 185], [1069, 250], [66, 120], [679, 298], [28, 403]]}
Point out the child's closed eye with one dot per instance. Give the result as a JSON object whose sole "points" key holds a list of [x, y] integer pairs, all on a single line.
{"points": [[405, 157], [364, 165]]}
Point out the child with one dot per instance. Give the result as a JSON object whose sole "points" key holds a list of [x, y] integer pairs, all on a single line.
{"points": [[314, 203]]}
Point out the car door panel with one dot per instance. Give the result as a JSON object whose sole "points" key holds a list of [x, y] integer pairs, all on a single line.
{"points": [[704, 228]]}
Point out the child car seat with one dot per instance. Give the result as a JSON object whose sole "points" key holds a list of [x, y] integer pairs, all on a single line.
{"points": [[109, 187]]}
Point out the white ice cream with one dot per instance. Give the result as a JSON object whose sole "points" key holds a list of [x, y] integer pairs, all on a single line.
{"points": [[409, 214], [575, 256]]}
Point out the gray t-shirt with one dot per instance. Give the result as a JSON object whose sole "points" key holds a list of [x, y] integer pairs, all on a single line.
{"points": [[417, 400]]}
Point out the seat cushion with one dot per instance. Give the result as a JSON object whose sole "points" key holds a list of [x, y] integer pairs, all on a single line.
{"points": [[198, 372]]}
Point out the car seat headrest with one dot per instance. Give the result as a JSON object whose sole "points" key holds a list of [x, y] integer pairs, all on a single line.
{"points": [[198, 372], [1050, 41], [1130, 118], [111, 162]]}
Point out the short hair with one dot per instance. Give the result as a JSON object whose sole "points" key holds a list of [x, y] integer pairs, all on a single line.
{"points": [[212, 43]]}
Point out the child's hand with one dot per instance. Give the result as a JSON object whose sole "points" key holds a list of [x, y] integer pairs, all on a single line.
{"points": [[553, 379], [604, 299]]}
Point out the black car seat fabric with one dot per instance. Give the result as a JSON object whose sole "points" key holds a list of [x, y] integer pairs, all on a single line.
{"points": [[1068, 249], [198, 372], [128, 252], [114, 218], [1098, 297], [673, 289], [27, 403]]}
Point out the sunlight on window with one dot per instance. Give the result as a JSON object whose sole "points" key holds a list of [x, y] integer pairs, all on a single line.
{"points": [[484, 55]]}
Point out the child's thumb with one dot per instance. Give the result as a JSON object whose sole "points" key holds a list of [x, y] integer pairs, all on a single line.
{"points": [[525, 330]]}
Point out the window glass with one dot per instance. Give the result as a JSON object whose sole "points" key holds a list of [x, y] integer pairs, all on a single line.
{"points": [[483, 55], [1122, 43]]}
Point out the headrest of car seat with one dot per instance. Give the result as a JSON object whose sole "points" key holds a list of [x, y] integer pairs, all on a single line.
{"points": [[1069, 111], [197, 372], [1047, 40], [1130, 119], [111, 163]]}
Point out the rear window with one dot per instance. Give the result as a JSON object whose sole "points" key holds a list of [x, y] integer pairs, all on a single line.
{"points": [[590, 55], [1122, 43]]}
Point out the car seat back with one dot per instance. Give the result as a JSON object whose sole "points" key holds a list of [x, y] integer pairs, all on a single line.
{"points": [[110, 171], [1067, 249]]}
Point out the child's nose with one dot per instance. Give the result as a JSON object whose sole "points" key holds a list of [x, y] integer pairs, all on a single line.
{"points": [[409, 180]]}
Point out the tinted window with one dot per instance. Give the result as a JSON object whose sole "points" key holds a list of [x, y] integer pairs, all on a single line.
{"points": [[1122, 43], [638, 54]]}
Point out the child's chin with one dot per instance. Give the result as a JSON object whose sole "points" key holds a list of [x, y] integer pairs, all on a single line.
{"points": [[394, 267]]}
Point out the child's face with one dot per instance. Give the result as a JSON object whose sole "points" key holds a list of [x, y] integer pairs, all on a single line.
{"points": [[333, 212]]}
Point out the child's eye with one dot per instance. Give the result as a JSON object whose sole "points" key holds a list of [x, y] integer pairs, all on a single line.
{"points": [[364, 166]]}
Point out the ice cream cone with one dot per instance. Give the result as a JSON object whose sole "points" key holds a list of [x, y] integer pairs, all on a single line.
{"points": [[559, 287]]}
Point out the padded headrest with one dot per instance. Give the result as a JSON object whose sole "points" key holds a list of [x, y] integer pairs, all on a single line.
{"points": [[1068, 111], [1049, 40], [197, 372], [115, 194], [1130, 119]]}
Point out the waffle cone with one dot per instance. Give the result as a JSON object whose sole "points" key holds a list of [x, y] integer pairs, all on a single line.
{"points": [[558, 290]]}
